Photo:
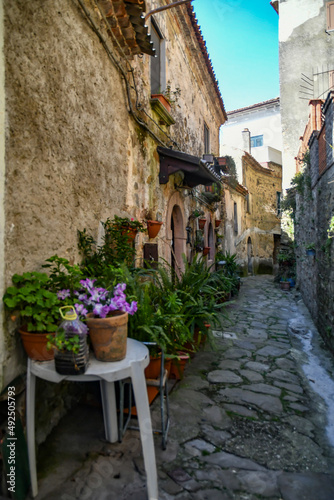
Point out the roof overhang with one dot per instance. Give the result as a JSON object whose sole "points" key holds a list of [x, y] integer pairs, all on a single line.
{"points": [[195, 170]]}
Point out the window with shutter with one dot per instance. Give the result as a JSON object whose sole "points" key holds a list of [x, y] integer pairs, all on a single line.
{"points": [[330, 16], [156, 61], [206, 139], [331, 80]]}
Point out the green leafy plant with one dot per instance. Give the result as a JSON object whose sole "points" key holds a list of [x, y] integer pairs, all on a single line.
{"points": [[330, 230], [32, 299], [310, 246], [63, 342]]}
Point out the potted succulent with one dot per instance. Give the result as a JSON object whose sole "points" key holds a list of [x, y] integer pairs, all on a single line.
{"points": [[107, 318], [127, 226], [31, 299]]}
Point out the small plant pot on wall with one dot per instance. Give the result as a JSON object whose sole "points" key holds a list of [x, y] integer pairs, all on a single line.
{"points": [[163, 101], [153, 228], [217, 223], [206, 250], [201, 223], [310, 252]]}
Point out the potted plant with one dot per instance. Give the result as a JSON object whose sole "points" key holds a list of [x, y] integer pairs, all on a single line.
{"points": [[217, 223], [206, 250], [153, 228], [38, 307], [126, 226], [70, 344], [201, 223], [284, 284], [310, 249], [107, 318]]}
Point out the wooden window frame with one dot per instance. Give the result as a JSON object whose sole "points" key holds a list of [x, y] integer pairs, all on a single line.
{"points": [[330, 16]]}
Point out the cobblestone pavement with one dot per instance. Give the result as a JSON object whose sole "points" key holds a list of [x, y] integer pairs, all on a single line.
{"points": [[245, 422]]}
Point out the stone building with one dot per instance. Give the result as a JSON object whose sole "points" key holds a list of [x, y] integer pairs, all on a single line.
{"points": [[306, 48], [84, 135], [252, 226], [314, 208], [263, 121]]}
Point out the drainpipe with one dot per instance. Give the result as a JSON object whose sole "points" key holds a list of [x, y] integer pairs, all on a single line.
{"points": [[165, 7]]}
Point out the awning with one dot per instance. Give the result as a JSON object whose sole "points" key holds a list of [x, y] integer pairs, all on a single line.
{"points": [[196, 171]]}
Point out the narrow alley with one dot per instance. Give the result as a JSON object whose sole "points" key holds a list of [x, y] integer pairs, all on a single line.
{"points": [[245, 421]]}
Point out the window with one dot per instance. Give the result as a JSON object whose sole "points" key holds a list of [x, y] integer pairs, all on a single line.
{"points": [[331, 80], [206, 139], [235, 218], [257, 141], [278, 203], [248, 203], [158, 76], [330, 16]]}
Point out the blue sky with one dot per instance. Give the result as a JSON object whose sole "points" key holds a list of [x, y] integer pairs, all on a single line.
{"points": [[242, 42]]}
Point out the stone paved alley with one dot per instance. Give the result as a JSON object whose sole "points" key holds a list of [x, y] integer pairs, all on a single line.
{"points": [[246, 423]]}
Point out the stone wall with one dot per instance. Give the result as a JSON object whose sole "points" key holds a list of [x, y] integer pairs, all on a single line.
{"points": [[74, 154], [314, 209]]}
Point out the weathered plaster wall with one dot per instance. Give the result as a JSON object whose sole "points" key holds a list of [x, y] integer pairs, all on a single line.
{"points": [[261, 222], [314, 209], [232, 242], [74, 155], [305, 47]]}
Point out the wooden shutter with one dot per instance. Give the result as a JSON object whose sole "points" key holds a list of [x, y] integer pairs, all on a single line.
{"points": [[151, 255], [330, 16]]}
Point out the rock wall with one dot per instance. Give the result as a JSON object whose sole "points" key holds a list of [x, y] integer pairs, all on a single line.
{"points": [[74, 154], [314, 209]]}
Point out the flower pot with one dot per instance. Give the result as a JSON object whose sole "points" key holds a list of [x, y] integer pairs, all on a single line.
{"points": [[206, 250], [217, 223], [109, 336], [153, 228], [68, 363], [163, 101], [35, 345], [152, 371], [178, 366], [130, 233], [201, 223], [285, 285], [310, 252]]}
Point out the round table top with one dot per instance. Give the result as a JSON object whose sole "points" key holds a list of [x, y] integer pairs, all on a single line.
{"points": [[136, 352]]}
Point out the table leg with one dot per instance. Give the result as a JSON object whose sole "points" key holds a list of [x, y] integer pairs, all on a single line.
{"points": [[145, 426], [109, 410], [30, 416]]}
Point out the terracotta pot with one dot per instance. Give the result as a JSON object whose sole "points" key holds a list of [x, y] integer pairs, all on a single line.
{"points": [[152, 371], [201, 223], [153, 228], [109, 336], [206, 250], [35, 345], [217, 222], [178, 366], [285, 285], [163, 101], [130, 233]]}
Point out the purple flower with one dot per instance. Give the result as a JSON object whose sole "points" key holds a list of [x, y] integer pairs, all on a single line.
{"points": [[80, 310], [100, 310], [119, 289], [63, 294], [132, 308], [87, 283]]}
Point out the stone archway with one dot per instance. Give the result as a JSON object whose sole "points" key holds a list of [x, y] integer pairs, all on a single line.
{"points": [[249, 256], [176, 232], [177, 242]]}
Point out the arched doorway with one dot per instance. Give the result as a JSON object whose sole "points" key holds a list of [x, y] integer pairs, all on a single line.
{"points": [[250, 256], [178, 239]]}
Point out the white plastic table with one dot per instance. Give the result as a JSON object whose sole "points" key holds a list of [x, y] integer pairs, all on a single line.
{"points": [[133, 366]]}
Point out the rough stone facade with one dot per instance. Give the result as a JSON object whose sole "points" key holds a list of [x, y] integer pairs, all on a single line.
{"points": [[314, 209], [81, 136], [305, 58]]}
